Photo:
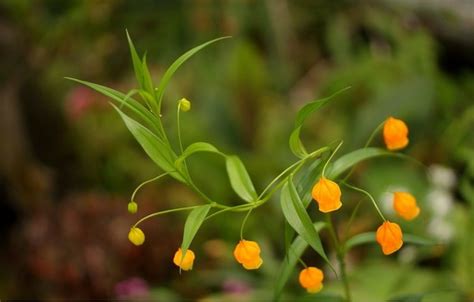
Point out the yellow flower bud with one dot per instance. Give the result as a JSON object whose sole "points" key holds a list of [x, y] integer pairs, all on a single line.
{"points": [[311, 278], [188, 260], [395, 134], [405, 205], [389, 236], [327, 194], [184, 105], [136, 236], [247, 253], [132, 207]]}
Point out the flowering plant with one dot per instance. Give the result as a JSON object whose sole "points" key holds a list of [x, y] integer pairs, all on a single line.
{"points": [[314, 176]]}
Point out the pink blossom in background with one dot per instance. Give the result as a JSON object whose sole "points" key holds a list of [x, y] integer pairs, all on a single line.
{"points": [[234, 286], [78, 102], [134, 287]]}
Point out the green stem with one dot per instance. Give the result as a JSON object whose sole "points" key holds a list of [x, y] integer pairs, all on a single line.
{"points": [[345, 281], [162, 129], [244, 222], [369, 141], [302, 263], [206, 198], [242, 207], [330, 157], [146, 182], [179, 130], [372, 135], [353, 215], [163, 212], [369, 195], [187, 176], [311, 155], [340, 257]]}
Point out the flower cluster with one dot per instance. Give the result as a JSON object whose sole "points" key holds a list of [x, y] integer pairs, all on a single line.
{"points": [[147, 127], [327, 194]]}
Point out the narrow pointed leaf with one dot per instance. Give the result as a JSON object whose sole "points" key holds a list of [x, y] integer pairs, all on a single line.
{"points": [[125, 100], [160, 91], [294, 252], [240, 179], [296, 215], [156, 149], [305, 184], [295, 143], [147, 80], [192, 225], [348, 160], [137, 63], [308, 180], [313, 106]]}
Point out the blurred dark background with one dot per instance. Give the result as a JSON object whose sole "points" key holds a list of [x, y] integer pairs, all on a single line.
{"points": [[68, 164]]}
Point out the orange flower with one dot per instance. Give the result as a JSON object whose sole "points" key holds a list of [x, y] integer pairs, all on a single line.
{"points": [[395, 134], [405, 205], [247, 253], [136, 236], [187, 262], [389, 236], [327, 194], [311, 278]]}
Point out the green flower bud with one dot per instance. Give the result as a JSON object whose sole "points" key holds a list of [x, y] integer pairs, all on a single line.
{"points": [[184, 105], [132, 207]]}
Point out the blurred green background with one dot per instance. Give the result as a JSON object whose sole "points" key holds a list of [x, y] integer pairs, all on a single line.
{"points": [[69, 165]]}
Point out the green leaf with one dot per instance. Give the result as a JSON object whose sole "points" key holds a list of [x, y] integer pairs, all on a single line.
{"points": [[311, 107], [192, 225], [194, 148], [142, 74], [147, 81], [348, 160], [360, 239], [156, 149], [160, 91], [295, 143], [370, 237], [125, 100], [296, 215], [294, 252], [414, 239], [240, 179], [137, 63], [305, 184], [308, 180], [149, 100]]}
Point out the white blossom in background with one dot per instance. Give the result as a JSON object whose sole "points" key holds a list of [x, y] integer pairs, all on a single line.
{"points": [[441, 201], [441, 229], [442, 176]]}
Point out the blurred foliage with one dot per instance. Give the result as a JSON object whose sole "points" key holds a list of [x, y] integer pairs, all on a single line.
{"points": [[245, 92]]}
